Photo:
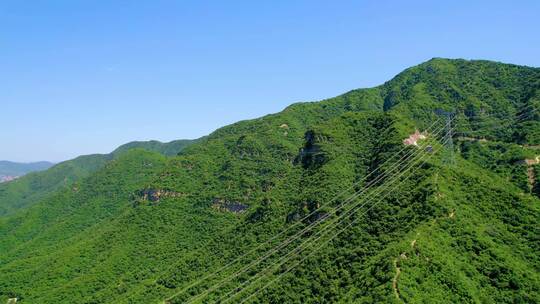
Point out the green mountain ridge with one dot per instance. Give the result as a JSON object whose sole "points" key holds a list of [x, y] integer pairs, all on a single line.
{"points": [[29, 189], [168, 149], [144, 228]]}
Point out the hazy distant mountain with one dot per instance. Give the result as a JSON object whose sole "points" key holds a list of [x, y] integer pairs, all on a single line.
{"points": [[11, 170]]}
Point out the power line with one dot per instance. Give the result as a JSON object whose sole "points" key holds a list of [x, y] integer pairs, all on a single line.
{"points": [[299, 234], [515, 119], [501, 113], [299, 221], [288, 241], [343, 215], [313, 251], [449, 155], [292, 226], [496, 125], [332, 200], [332, 237]]}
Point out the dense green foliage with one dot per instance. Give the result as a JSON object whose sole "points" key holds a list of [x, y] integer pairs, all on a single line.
{"points": [[506, 159], [142, 226], [169, 149], [30, 189], [33, 187]]}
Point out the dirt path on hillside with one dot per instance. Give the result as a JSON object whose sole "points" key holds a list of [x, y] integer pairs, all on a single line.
{"points": [[465, 138], [403, 256], [395, 279], [530, 177]]}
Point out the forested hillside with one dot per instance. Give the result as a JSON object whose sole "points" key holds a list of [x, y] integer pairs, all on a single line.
{"points": [[30, 189], [320, 203], [168, 149]]}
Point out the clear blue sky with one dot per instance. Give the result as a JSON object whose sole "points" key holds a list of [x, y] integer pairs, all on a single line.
{"points": [[79, 77]]}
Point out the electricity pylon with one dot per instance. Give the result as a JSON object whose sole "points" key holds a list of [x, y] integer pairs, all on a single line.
{"points": [[449, 157]]}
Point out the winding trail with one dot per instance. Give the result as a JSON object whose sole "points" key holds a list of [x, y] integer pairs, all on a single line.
{"points": [[403, 256], [395, 279]]}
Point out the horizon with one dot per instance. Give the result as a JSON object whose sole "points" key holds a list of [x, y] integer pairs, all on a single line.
{"points": [[75, 86], [320, 99]]}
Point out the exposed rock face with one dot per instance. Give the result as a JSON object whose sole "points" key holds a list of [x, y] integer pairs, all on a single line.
{"points": [[225, 205], [531, 178], [312, 155], [155, 195], [532, 161], [414, 138]]}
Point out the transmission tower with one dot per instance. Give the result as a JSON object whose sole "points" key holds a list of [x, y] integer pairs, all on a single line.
{"points": [[449, 157]]}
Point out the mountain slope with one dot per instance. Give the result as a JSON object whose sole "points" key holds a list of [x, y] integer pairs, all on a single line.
{"points": [[168, 149], [30, 189], [144, 227], [33, 187]]}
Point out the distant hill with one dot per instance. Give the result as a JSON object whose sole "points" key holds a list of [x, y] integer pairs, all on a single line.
{"points": [[29, 189], [11, 170]]}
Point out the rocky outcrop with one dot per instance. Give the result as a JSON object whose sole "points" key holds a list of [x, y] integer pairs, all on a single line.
{"points": [[154, 195], [413, 139], [228, 206], [312, 156], [530, 163]]}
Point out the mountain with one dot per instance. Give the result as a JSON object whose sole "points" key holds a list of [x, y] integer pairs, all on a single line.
{"points": [[168, 149], [320, 203], [11, 170], [30, 189]]}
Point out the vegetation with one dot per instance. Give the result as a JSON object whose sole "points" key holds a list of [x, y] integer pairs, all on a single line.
{"points": [[141, 226], [168, 149], [36, 186], [33, 187]]}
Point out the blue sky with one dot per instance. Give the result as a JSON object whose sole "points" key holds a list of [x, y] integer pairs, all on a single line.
{"points": [[80, 77]]}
